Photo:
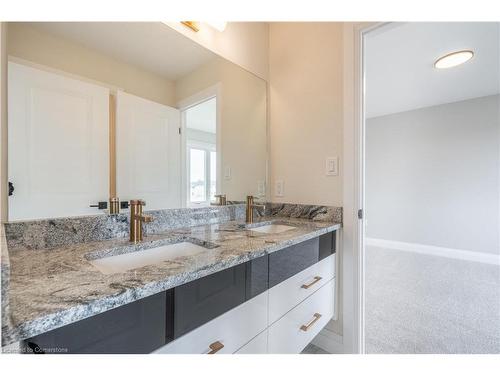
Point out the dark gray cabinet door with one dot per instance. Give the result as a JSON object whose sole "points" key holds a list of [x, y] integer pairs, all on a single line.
{"points": [[138, 327], [327, 243], [202, 300], [257, 277], [287, 262]]}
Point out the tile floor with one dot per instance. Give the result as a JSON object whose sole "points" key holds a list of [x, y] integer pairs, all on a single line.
{"points": [[313, 349], [426, 304]]}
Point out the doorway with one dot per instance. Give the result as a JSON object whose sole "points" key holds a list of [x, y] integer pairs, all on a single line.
{"points": [[430, 141], [200, 152]]}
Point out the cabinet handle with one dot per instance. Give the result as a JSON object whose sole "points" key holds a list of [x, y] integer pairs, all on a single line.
{"points": [[307, 286], [306, 327], [215, 346]]}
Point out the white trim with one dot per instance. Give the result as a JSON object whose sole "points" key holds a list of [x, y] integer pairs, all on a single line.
{"points": [[214, 91], [353, 193], [445, 252]]}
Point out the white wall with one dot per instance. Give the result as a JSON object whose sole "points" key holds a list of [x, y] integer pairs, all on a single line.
{"points": [[244, 43], [305, 95], [432, 176]]}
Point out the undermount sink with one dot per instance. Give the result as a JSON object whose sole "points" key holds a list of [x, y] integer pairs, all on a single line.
{"points": [[272, 228], [136, 259]]}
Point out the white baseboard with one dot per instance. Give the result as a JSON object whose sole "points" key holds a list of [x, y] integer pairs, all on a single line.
{"points": [[435, 250]]}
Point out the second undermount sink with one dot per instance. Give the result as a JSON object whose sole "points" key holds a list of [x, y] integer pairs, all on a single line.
{"points": [[136, 259], [272, 228]]}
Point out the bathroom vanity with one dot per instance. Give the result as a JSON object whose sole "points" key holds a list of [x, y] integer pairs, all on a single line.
{"points": [[268, 287]]}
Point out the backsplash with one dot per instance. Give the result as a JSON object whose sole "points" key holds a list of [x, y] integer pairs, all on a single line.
{"points": [[50, 233], [304, 211]]}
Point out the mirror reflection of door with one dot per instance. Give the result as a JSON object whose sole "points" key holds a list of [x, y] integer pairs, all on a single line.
{"points": [[57, 144], [200, 124], [147, 152]]}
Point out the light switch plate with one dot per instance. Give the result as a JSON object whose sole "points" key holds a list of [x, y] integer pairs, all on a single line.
{"points": [[227, 173], [332, 166], [279, 188]]}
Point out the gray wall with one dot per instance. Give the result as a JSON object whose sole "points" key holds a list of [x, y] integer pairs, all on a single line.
{"points": [[432, 176]]}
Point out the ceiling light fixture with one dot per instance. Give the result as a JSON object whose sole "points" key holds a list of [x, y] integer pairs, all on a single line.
{"points": [[453, 59]]}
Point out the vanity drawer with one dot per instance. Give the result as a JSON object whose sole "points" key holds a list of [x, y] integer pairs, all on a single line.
{"points": [[287, 262], [232, 329], [258, 345], [298, 327], [289, 293]]}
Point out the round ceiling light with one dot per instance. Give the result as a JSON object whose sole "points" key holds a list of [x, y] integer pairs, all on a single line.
{"points": [[453, 59]]}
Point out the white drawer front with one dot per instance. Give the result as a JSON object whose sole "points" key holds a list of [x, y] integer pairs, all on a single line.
{"points": [[258, 345], [298, 327], [289, 293], [232, 329]]}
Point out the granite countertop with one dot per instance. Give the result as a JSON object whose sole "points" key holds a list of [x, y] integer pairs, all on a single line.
{"points": [[51, 288]]}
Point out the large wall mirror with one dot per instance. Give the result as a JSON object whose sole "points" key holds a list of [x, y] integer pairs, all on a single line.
{"points": [[128, 110]]}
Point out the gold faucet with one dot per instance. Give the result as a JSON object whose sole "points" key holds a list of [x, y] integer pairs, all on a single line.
{"points": [[220, 200], [136, 220], [250, 207]]}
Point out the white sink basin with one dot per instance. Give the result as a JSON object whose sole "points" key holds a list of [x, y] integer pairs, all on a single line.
{"points": [[272, 228], [136, 259]]}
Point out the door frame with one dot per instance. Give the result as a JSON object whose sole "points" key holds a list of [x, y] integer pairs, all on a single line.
{"points": [[214, 91], [353, 309]]}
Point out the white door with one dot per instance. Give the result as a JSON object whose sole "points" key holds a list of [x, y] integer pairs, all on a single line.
{"points": [[147, 152], [57, 144]]}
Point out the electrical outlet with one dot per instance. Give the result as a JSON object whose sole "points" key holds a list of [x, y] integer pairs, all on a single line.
{"points": [[332, 166], [227, 173], [261, 188], [279, 188]]}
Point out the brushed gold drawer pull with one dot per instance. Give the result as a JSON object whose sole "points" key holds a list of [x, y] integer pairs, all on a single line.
{"points": [[307, 286], [305, 328], [215, 346]]}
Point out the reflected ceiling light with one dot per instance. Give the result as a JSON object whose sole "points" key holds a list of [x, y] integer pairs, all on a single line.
{"points": [[218, 25], [453, 59], [193, 25]]}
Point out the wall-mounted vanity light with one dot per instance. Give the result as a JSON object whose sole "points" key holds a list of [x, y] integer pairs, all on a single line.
{"points": [[453, 59], [195, 26]]}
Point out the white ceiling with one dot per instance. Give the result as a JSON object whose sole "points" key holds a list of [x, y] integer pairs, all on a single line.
{"points": [[152, 46], [203, 116], [400, 73]]}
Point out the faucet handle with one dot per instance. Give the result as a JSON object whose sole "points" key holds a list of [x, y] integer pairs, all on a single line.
{"points": [[138, 202], [147, 218]]}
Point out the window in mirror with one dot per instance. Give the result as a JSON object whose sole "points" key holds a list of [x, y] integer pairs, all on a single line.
{"points": [[197, 175]]}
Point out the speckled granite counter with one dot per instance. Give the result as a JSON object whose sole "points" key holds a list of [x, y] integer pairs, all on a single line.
{"points": [[53, 287]]}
